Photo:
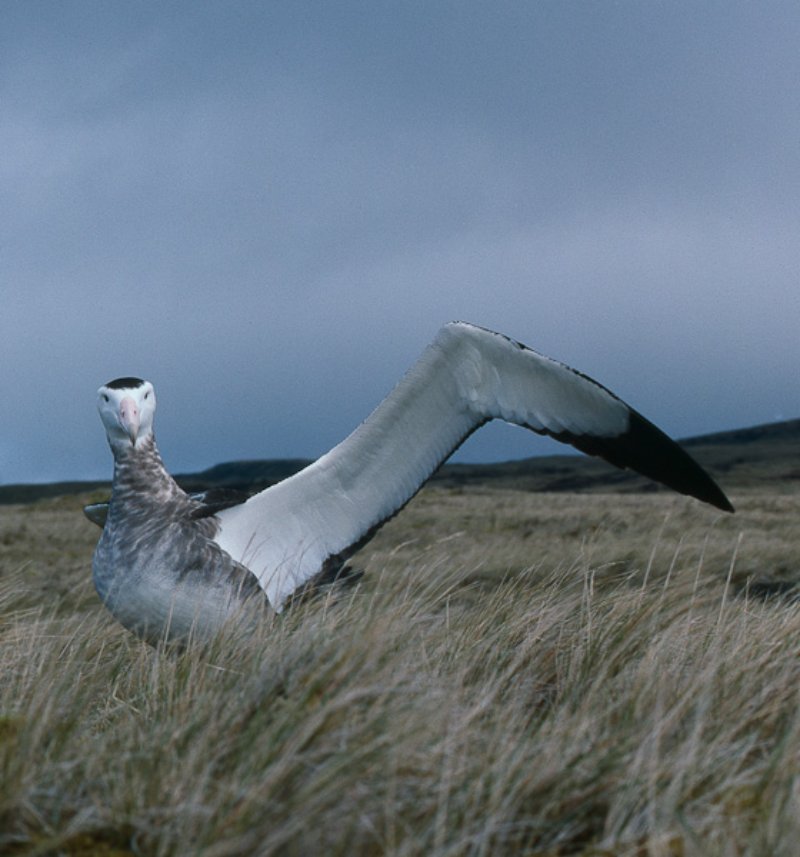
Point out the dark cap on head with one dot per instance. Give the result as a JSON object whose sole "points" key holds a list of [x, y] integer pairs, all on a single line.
{"points": [[125, 383]]}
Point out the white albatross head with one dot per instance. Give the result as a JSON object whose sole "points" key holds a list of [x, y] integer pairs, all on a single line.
{"points": [[127, 407]]}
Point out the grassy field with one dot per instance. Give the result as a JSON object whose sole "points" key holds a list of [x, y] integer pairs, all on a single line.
{"points": [[541, 674]]}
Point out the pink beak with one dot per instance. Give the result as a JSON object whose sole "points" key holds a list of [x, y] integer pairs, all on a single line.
{"points": [[129, 417]]}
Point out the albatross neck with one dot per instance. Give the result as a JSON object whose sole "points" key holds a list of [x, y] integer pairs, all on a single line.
{"points": [[139, 470]]}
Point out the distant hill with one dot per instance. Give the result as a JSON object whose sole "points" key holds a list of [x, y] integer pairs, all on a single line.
{"points": [[743, 458]]}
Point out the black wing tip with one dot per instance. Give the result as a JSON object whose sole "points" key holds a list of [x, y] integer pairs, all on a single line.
{"points": [[715, 497], [721, 501], [644, 448], [658, 456]]}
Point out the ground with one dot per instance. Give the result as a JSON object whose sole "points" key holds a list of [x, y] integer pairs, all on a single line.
{"points": [[545, 674]]}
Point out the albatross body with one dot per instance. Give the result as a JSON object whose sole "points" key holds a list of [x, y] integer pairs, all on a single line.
{"points": [[170, 565]]}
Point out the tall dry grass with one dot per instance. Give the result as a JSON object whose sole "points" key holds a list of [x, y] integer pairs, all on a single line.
{"points": [[517, 674]]}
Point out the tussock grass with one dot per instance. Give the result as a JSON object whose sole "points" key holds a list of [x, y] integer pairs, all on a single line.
{"points": [[515, 675]]}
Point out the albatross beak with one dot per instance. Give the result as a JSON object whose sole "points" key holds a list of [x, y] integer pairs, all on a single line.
{"points": [[129, 417]]}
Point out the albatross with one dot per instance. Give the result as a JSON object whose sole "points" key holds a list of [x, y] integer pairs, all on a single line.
{"points": [[170, 565]]}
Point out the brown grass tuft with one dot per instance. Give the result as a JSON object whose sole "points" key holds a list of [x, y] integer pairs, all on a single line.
{"points": [[517, 674]]}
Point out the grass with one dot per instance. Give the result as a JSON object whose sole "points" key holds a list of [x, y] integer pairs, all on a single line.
{"points": [[517, 674]]}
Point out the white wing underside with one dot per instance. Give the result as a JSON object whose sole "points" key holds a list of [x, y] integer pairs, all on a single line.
{"points": [[467, 376]]}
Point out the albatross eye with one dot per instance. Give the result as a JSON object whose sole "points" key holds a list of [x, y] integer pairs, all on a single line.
{"points": [[105, 397]]}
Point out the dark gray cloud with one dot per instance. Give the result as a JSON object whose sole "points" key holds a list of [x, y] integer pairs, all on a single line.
{"points": [[268, 210]]}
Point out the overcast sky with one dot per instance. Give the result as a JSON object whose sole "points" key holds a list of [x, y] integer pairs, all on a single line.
{"points": [[269, 208]]}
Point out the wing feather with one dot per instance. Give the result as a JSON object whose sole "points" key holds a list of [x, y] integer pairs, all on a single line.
{"points": [[467, 376]]}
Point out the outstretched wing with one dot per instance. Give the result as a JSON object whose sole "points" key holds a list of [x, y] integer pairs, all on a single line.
{"points": [[286, 534]]}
